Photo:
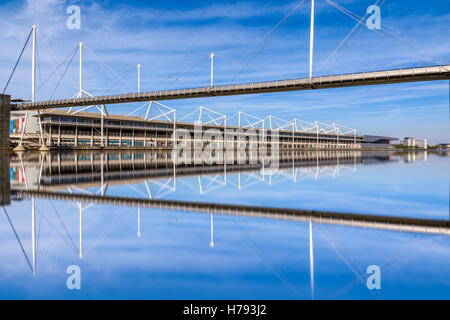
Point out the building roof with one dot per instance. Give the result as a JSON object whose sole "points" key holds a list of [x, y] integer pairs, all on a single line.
{"points": [[371, 138]]}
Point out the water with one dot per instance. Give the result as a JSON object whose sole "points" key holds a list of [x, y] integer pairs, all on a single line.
{"points": [[133, 251]]}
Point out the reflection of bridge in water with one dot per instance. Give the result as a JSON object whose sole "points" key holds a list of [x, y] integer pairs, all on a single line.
{"points": [[88, 177], [85, 179]]}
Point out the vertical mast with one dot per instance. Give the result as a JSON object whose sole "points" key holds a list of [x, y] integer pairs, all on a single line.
{"points": [[139, 78], [33, 67], [311, 40], [80, 93], [212, 68]]}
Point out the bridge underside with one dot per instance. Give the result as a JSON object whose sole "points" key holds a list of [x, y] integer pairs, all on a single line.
{"points": [[336, 81]]}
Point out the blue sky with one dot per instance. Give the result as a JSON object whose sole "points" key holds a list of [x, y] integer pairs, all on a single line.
{"points": [[175, 38]]}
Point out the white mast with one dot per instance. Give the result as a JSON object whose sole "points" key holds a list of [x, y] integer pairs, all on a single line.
{"points": [[139, 78], [311, 40], [33, 66], [139, 222], [212, 68], [33, 85], [80, 93]]}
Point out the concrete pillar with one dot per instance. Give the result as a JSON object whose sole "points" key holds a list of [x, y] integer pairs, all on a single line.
{"points": [[145, 139], [5, 117], [59, 135], [50, 134], [76, 135]]}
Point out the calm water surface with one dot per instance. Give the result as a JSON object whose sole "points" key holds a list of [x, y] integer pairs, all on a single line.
{"points": [[145, 253]]}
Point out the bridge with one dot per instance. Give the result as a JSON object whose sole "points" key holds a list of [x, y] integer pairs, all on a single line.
{"points": [[69, 179], [323, 82]]}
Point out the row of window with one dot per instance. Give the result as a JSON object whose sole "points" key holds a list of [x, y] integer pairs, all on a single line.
{"points": [[106, 122]]}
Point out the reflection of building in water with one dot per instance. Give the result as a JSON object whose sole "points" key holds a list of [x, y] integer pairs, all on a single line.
{"points": [[410, 157], [93, 168]]}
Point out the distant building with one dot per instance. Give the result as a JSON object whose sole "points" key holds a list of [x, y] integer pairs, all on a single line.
{"points": [[370, 141], [423, 144], [409, 142], [413, 143], [444, 145]]}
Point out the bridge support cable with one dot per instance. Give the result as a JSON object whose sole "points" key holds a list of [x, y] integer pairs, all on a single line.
{"points": [[123, 76], [18, 239], [108, 70], [311, 41], [71, 53], [55, 59], [358, 24], [266, 39], [386, 30], [17, 62], [74, 52], [396, 43], [182, 75]]}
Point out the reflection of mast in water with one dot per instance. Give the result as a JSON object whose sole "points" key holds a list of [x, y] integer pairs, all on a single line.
{"points": [[211, 243], [33, 235], [311, 258], [139, 222], [80, 253]]}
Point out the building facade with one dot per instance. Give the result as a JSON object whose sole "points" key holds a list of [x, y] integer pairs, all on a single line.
{"points": [[62, 129]]}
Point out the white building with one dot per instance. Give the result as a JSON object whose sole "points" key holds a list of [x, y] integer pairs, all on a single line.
{"points": [[409, 142], [412, 142], [423, 144]]}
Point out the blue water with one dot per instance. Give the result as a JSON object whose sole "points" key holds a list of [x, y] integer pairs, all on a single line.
{"points": [[251, 258]]}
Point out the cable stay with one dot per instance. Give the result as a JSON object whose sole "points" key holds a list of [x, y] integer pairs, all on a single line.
{"points": [[18, 239], [64, 73], [123, 76], [358, 24], [267, 38], [108, 70], [57, 68], [17, 62], [186, 72], [361, 22], [54, 58]]}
